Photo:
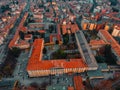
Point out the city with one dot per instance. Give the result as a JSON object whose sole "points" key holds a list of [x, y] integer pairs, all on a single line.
{"points": [[59, 44]]}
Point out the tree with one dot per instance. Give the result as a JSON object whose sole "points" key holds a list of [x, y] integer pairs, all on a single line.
{"points": [[107, 50], [17, 2], [7, 69], [100, 59], [110, 57], [21, 34], [56, 42], [5, 8], [113, 2], [118, 88], [9, 14], [65, 39], [40, 5], [15, 51], [51, 27], [47, 10], [60, 54], [44, 50]]}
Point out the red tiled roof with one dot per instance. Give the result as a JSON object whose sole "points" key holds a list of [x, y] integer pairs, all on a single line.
{"points": [[24, 29], [70, 88], [97, 42], [73, 28], [78, 83], [35, 62], [28, 36]]}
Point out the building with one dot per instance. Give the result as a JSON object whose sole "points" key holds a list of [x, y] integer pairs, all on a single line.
{"points": [[16, 41], [78, 84], [37, 67], [99, 73], [92, 25], [69, 28], [54, 38], [107, 27], [105, 35], [85, 51], [116, 31], [95, 44]]}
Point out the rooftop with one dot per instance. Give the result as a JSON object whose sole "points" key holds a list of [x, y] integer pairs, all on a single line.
{"points": [[13, 42], [78, 84], [102, 66], [35, 62], [97, 42], [69, 28], [96, 73], [85, 50]]}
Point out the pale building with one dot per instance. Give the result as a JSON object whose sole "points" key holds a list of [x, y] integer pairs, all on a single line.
{"points": [[116, 31]]}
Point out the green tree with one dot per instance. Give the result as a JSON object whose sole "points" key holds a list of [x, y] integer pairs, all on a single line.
{"points": [[21, 34], [65, 39], [7, 69], [44, 50], [5, 8], [100, 59], [110, 57], [51, 28], [107, 50], [56, 42], [15, 51], [59, 54], [17, 2]]}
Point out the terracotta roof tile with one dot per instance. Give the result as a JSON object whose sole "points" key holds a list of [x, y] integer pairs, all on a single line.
{"points": [[35, 62]]}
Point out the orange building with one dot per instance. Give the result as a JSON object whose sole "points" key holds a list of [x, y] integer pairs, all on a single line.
{"points": [[85, 25], [92, 26], [69, 28], [37, 67], [107, 27]]}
